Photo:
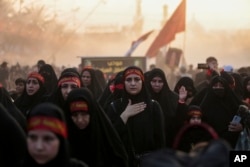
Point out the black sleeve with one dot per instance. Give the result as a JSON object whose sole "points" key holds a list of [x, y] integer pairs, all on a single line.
{"points": [[77, 163], [114, 116], [159, 134]]}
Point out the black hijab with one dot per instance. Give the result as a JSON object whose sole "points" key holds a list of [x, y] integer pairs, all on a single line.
{"points": [[166, 97], [12, 140], [26, 102], [219, 109], [98, 144], [95, 87], [50, 78], [50, 112], [57, 97]]}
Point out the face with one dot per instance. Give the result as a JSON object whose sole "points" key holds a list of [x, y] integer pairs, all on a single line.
{"points": [[81, 119], [32, 86], [219, 89], [157, 84], [43, 145], [86, 78], [218, 85], [213, 65], [20, 87], [67, 87], [133, 84], [195, 119]]}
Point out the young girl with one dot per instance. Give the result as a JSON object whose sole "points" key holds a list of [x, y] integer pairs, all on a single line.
{"points": [[92, 137], [47, 138]]}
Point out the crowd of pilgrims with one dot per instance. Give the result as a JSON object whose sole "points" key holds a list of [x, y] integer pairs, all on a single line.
{"points": [[79, 119]]}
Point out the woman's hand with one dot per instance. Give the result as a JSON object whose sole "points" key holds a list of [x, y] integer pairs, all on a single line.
{"points": [[132, 109], [235, 127]]}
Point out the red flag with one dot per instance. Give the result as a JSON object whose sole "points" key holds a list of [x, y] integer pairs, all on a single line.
{"points": [[137, 42], [174, 25]]}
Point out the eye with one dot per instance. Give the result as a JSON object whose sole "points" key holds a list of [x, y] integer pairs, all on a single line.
{"points": [[35, 82], [48, 138], [64, 86], [137, 79], [128, 79], [32, 137], [73, 86], [74, 114]]}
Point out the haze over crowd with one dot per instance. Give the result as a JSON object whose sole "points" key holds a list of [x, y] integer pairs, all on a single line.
{"points": [[59, 44]]}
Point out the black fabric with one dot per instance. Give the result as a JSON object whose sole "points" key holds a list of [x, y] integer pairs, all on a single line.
{"points": [[188, 83], [246, 93], [63, 157], [7, 102], [143, 132], [215, 154], [168, 101], [12, 140], [95, 86], [219, 111], [56, 97], [107, 96], [26, 102], [98, 145], [50, 78]]}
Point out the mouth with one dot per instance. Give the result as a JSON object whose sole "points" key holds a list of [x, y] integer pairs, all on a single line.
{"points": [[30, 91]]}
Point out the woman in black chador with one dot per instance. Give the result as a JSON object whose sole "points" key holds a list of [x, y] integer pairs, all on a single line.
{"points": [[219, 106], [33, 94], [8, 103], [112, 91], [47, 139], [50, 78], [159, 90], [68, 80], [89, 80], [92, 137], [137, 118], [188, 83]]}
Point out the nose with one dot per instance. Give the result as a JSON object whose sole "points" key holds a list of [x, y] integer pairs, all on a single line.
{"points": [[157, 83], [133, 82], [69, 89], [79, 119], [39, 144]]}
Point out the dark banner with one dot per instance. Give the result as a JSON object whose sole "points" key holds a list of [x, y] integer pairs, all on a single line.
{"points": [[173, 57], [112, 65]]}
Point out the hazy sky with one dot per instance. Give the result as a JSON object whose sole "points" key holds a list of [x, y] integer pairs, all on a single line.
{"points": [[213, 14]]}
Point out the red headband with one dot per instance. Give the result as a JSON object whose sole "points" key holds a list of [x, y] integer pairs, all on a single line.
{"points": [[70, 79], [78, 106], [134, 71], [37, 76], [48, 123]]}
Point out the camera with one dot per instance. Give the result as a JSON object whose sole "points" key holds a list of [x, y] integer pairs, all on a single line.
{"points": [[202, 66]]}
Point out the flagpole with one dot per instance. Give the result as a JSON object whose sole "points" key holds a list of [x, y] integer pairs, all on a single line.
{"points": [[184, 50]]}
